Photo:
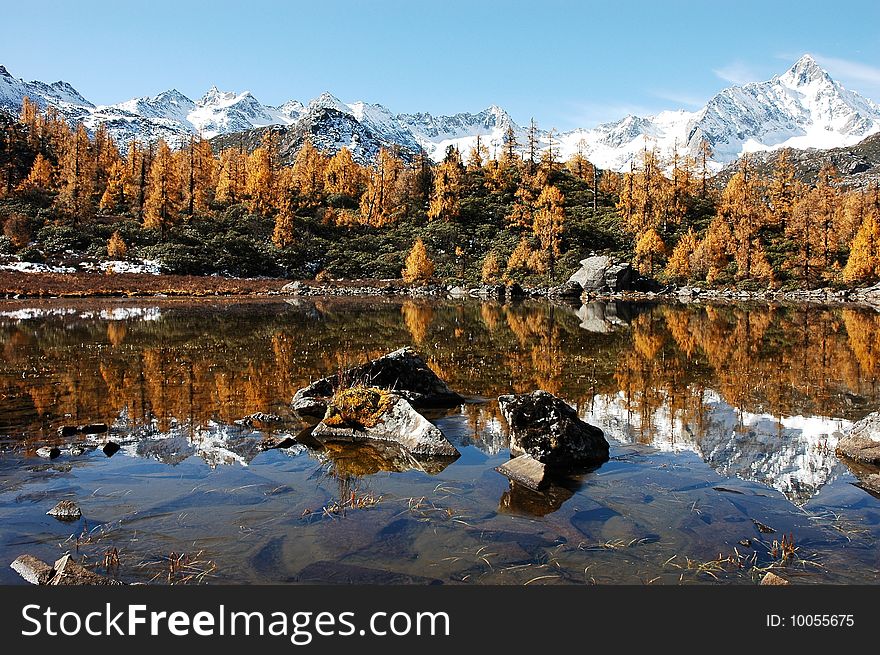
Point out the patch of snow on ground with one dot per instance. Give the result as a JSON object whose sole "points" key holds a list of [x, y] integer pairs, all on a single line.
{"points": [[34, 267], [144, 266]]}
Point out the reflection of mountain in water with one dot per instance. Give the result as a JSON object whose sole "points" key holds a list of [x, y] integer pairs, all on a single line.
{"points": [[215, 443], [794, 454]]}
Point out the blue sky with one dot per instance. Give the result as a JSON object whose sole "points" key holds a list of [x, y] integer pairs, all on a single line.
{"points": [[567, 64]]}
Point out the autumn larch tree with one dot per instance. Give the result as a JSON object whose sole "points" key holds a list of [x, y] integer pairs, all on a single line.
{"points": [[343, 176], [260, 186], [549, 224], [198, 174], [231, 177], [446, 198], [783, 191], [679, 268], [41, 176], [77, 177], [650, 251], [419, 267], [164, 194], [741, 208], [863, 264], [379, 203], [116, 248], [490, 272], [114, 198], [308, 175]]}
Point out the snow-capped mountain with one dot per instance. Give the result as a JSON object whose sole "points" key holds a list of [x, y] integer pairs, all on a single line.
{"points": [[802, 108]]}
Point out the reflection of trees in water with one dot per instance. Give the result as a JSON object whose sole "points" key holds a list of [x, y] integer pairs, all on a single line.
{"points": [[225, 364]]}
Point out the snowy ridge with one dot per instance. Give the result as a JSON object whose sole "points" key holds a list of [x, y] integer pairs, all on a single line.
{"points": [[802, 108]]}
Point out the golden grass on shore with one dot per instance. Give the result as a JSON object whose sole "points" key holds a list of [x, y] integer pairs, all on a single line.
{"points": [[72, 285]]}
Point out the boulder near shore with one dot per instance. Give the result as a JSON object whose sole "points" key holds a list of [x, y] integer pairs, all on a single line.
{"points": [[403, 371], [368, 413]]}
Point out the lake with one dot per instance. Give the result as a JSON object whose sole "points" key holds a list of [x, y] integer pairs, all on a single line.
{"points": [[722, 420]]}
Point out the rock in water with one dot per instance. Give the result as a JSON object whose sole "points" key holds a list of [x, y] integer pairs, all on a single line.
{"points": [[545, 427], [49, 451], [525, 470], [65, 572], [368, 413], [111, 448], [68, 572], [862, 442], [66, 510], [402, 371], [34, 570], [771, 579]]}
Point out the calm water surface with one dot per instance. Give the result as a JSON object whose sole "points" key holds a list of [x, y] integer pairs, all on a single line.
{"points": [[718, 417]]}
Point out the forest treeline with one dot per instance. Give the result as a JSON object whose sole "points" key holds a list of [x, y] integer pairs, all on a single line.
{"points": [[520, 215]]}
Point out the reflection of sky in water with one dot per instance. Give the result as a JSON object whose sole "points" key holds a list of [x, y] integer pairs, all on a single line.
{"points": [[691, 470]]}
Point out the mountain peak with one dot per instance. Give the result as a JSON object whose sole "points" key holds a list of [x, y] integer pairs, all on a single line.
{"points": [[4, 72], [172, 95], [805, 71], [328, 101], [215, 95]]}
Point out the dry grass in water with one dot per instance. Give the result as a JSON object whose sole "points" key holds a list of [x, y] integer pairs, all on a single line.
{"points": [[180, 568]]}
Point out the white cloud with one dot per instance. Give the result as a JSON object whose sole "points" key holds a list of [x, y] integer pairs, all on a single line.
{"points": [[737, 72], [680, 99]]}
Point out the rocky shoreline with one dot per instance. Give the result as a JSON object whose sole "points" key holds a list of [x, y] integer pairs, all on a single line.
{"points": [[624, 287], [869, 295]]}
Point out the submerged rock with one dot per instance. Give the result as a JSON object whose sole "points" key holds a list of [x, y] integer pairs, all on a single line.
{"points": [[364, 413], [525, 470], [66, 510], [545, 427], [402, 371], [862, 442]]}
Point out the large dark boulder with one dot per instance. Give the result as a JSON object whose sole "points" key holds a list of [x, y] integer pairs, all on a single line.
{"points": [[862, 442], [402, 371], [550, 431]]}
